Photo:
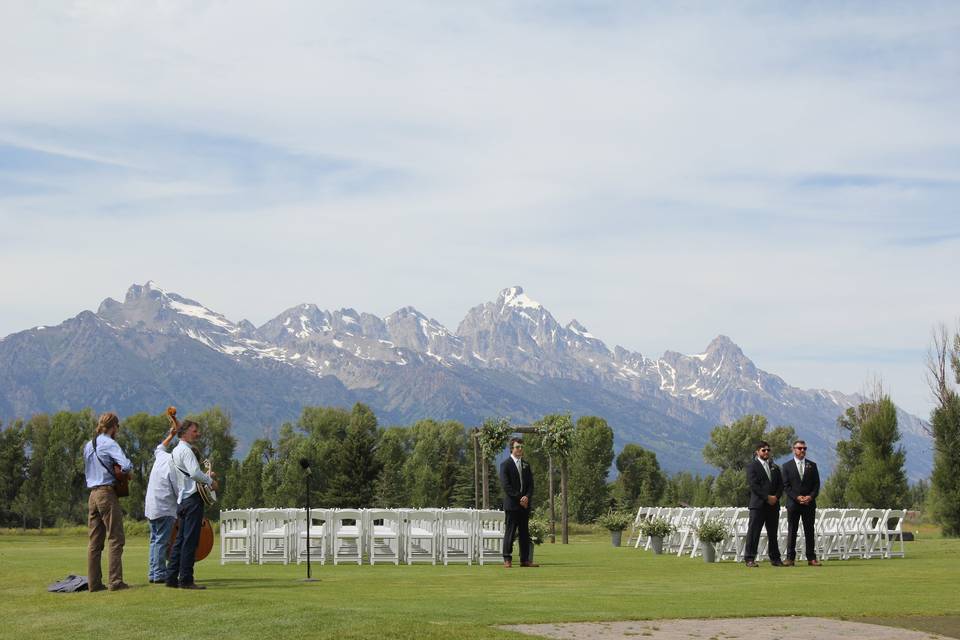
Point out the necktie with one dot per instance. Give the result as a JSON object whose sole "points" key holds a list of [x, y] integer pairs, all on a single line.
{"points": [[800, 465], [767, 469]]}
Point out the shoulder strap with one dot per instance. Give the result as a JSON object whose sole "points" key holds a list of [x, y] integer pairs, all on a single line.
{"points": [[97, 455]]}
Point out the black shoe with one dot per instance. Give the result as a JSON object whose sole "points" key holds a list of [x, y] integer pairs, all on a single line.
{"points": [[172, 585], [776, 564], [192, 585], [101, 587], [752, 564]]}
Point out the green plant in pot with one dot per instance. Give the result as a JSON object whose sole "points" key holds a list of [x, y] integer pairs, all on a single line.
{"points": [[656, 529], [711, 532], [615, 522]]}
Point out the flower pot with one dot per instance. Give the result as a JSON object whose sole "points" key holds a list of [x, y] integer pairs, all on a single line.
{"points": [[615, 537], [709, 552], [656, 543]]}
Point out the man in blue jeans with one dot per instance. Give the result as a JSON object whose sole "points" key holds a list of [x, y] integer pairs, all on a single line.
{"points": [[160, 508], [190, 509]]}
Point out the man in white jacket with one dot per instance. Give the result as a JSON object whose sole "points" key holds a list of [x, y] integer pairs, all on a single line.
{"points": [[161, 507]]}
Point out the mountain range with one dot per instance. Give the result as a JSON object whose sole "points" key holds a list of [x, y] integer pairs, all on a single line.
{"points": [[508, 357]]}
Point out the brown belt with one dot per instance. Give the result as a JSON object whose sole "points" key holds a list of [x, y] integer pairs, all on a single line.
{"points": [[101, 486]]}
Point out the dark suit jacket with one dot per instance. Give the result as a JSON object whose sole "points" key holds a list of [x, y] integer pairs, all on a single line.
{"points": [[510, 481], [761, 486], [794, 487]]}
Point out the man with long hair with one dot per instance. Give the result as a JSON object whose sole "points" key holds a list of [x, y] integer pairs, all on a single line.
{"points": [[104, 517]]}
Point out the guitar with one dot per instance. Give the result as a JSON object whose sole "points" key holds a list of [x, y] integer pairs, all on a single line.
{"points": [[206, 491], [121, 483]]}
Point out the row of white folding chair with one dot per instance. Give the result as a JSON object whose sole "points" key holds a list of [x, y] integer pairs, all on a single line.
{"points": [[841, 533], [414, 535]]}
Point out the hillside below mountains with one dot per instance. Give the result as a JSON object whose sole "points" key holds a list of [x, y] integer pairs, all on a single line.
{"points": [[508, 357]]}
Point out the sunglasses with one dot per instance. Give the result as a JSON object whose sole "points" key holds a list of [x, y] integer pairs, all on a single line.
{"points": [[764, 449], [800, 448]]}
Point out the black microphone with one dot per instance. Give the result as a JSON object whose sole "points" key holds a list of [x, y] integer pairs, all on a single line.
{"points": [[305, 464]]}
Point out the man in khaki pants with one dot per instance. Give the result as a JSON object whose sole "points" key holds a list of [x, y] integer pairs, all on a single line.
{"points": [[105, 519]]}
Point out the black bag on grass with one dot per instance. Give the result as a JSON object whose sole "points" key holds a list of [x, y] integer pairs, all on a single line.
{"points": [[70, 584]]}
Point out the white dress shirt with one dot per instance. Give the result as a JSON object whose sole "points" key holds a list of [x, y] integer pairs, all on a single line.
{"points": [[766, 467], [100, 472], [185, 461], [519, 463], [162, 488]]}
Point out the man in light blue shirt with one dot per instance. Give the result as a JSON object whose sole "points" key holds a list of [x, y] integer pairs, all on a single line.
{"points": [[190, 509], [104, 517], [161, 508]]}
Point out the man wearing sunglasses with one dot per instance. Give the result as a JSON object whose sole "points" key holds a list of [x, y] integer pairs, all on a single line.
{"points": [[801, 483], [766, 485]]}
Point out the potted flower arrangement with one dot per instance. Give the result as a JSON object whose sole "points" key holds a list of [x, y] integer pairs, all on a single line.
{"points": [[615, 522], [711, 532], [656, 529]]}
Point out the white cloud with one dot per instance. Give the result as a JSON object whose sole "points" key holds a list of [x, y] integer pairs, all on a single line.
{"points": [[661, 175]]}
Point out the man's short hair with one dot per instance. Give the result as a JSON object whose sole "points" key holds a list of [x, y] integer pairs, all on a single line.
{"points": [[796, 442], [186, 424], [515, 440], [761, 444]]}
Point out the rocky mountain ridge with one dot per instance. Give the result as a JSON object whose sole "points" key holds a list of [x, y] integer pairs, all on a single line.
{"points": [[508, 356]]}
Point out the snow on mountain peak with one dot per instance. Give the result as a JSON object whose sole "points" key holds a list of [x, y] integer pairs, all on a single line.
{"points": [[515, 297], [580, 330]]}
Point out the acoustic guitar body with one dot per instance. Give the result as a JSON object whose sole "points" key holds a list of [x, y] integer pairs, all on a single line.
{"points": [[204, 546]]}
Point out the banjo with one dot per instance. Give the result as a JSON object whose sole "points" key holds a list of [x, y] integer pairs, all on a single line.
{"points": [[207, 494]]}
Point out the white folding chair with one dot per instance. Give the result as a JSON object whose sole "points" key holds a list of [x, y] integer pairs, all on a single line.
{"points": [[830, 536], [490, 530], [318, 535], [851, 534], [873, 527], [456, 535], [347, 541], [236, 536], [273, 535], [894, 532], [420, 535], [384, 535]]}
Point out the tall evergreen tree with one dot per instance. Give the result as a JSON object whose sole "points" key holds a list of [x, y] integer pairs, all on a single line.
{"points": [[589, 465], [640, 481], [64, 483], [356, 465], [439, 449], [849, 454], [13, 469], [391, 488], [879, 481], [31, 502], [250, 475], [945, 425]]}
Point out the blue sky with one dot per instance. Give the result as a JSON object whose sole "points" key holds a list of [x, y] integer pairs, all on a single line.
{"points": [[785, 176]]}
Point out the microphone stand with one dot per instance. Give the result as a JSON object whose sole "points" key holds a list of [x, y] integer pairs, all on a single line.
{"points": [[306, 478]]}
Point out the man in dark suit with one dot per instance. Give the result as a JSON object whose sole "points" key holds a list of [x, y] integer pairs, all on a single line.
{"points": [[801, 483], [516, 478], [766, 485]]}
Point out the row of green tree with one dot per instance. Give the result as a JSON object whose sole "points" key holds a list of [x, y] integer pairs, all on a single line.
{"points": [[353, 461]]}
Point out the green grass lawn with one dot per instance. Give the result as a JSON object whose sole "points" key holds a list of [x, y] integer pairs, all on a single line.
{"points": [[586, 580]]}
